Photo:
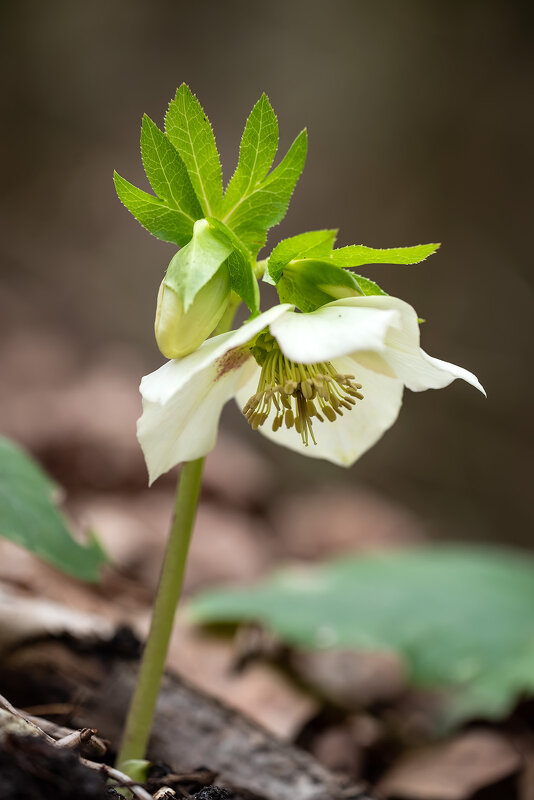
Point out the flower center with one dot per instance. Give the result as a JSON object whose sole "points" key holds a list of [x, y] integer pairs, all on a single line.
{"points": [[300, 393]]}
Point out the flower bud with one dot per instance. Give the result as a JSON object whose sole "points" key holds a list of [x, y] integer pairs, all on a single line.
{"points": [[179, 332]]}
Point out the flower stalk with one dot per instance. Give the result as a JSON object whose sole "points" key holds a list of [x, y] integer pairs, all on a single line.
{"points": [[143, 703]]}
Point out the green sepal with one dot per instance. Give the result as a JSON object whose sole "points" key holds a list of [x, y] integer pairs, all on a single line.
{"points": [[196, 263], [252, 216], [357, 254], [259, 144], [310, 284], [167, 172], [304, 245], [190, 131], [240, 266], [29, 517], [168, 224]]}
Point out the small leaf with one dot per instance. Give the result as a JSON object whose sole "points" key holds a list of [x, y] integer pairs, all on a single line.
{"points": [[167, 172], [461, 617], [305, 245], [256, 153], [241, 267], [189, 130], [309, 284], [367, 286], [193, 266], [253, 215], [166, 223], [357, 254], [29, 517]]}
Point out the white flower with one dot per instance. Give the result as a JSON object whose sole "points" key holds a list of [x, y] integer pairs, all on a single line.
{"points": [[334, 376]]}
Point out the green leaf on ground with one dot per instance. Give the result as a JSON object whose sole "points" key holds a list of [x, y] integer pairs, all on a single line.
{"points": [[30, 518], [252, 216], [193, 266], [462, 618], [312, 244], [357, 254], [241, 267], [155, 215], [189, 130], [167, 172], [256, 153]]}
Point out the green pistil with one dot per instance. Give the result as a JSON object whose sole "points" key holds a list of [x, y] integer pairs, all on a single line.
{"points": [[298, 392]]}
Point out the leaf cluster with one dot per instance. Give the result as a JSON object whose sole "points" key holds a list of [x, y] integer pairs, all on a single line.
{"points": [[183, 167]]}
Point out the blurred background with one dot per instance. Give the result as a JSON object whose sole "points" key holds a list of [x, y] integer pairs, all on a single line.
{"points": [[420, 128], [420, 123]]}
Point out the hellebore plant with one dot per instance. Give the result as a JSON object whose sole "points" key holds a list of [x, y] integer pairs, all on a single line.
{"points": [[323, 372]]}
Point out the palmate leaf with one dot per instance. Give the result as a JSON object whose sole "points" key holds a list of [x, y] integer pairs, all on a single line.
{"points": [[30, 518], [256, 153], [462, 618], [189, 130], [265, 205], [167, 172], [315, 284], [168, 224]]}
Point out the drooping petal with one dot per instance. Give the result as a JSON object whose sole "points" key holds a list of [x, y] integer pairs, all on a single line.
{"points": [[334, 330], [348, 437], [415, 368], [183, 399]]}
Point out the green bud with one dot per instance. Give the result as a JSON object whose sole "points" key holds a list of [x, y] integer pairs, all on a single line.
{"points": [[179, 332], [310, 283]]}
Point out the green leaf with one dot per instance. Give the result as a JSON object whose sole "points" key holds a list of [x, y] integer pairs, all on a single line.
{"points": [[357, 254], [166, 223], [193, 266], [461, 617], [166, 171], [189, 130], [305, 245], [252, 216], [241, 267], [367, 286], [29, 517], [309, 284], [256, 153]]}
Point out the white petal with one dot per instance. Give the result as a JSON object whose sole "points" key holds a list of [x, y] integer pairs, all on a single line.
{"points": [[183, 400], [420, 371], [406, 359], [335, 330], [348, 437]]}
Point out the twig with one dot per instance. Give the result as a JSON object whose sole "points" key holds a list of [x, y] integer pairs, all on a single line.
{"points": [[120, 778]]}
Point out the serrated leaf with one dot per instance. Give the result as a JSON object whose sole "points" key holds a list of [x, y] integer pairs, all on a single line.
{"points": [[309, 284], [304, 245], [462, 618], [357, 254], [258, 148], [29, 516], [241, 267], [253, 215], [367, 286], [166, 223], [189, 130], [193, 266], [167, 172]]}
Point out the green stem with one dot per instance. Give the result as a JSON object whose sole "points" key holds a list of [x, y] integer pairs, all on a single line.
{"points": [[143, 703]]}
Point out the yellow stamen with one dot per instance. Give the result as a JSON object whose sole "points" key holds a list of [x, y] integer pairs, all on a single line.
{"points": [[298, 392]]}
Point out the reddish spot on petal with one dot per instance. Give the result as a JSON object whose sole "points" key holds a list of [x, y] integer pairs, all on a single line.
{"points": [[232, 360]]}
